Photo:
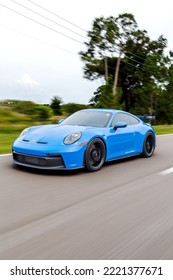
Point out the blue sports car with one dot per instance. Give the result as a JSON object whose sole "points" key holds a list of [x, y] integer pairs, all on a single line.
{"points": [[87, 138]]}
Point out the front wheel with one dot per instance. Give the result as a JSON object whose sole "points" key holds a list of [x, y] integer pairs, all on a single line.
{"points": [[95, 155], [149, 145]]}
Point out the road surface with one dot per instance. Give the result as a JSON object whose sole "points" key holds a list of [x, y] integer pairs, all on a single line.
{"points": [[124, 211]]}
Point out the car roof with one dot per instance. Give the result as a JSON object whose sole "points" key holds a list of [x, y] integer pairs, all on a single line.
{"points": [[113, 111], [103, 109]]}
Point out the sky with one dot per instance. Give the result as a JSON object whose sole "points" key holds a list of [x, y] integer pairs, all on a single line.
{"points": [[39, 55]]}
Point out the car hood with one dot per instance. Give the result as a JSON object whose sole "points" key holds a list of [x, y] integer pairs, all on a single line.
{"points": [[47, 134]]}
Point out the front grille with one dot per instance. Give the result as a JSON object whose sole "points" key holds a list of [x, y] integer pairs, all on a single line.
{"points": [[39, 162]]}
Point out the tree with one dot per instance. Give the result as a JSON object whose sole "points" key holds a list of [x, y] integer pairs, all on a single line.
{"points": [[103, 97], [143, 72], [165, 101], [143, 67], [101, 44], [105, 40], [56, 105]]}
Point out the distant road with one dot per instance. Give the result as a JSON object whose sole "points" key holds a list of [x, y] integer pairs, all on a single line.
{"points": [[124, 211]]}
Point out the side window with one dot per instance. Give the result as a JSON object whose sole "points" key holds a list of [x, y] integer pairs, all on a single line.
{"points": [[120, 117], [133, 120]]}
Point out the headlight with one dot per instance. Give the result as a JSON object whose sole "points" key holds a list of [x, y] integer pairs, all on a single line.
{"points": [[24, 131], [72, 138]]}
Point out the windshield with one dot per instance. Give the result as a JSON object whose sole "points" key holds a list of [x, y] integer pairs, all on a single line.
{"points": [[89, 118]]}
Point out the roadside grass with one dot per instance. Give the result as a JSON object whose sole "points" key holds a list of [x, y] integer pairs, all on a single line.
{"points": [[8, 133], [6, 140], [163, 129]]}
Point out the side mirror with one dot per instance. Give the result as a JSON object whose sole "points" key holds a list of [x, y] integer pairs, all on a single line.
{"points": [[120, 125], [60, 121]]}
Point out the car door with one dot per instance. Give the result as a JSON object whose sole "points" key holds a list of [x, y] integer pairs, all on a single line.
{"points": [[121, 141]]}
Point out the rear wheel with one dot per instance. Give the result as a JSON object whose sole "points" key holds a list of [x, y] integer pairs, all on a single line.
{"points": [[95, 155], [149, 145]]}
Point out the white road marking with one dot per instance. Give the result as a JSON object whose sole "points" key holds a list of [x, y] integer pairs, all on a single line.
{"points": [[5, 155], [167, 171]]}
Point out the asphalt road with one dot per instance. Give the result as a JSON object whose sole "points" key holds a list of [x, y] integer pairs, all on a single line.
{"points": [[124, 211]]}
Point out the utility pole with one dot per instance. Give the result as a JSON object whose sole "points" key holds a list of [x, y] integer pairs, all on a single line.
{"points": [[116, 75]]}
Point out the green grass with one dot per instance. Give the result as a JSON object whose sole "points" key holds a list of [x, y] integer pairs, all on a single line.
{"points": [[8, 133], [6, 141], [163, 129]]}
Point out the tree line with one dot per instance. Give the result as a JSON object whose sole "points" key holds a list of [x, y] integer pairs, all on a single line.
{"points": [[137, 71], [15, 111]]}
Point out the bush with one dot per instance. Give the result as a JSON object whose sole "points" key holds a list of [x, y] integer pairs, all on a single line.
{"points": [[24, 107], [71, 108], [43, 112]]}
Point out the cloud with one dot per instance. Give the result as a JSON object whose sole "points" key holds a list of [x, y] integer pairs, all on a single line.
{"points": [[26, 81]]}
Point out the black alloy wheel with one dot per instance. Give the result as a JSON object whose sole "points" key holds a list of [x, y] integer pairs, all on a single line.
{"points": [[95, 155], [149, 145]]}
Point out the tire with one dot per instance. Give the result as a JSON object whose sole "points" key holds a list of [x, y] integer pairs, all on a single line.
{"points": [[95, 155], [149, 145]]}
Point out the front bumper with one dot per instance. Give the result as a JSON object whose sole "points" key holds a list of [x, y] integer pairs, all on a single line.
{"points": [[39, 162], [48, 157]]}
